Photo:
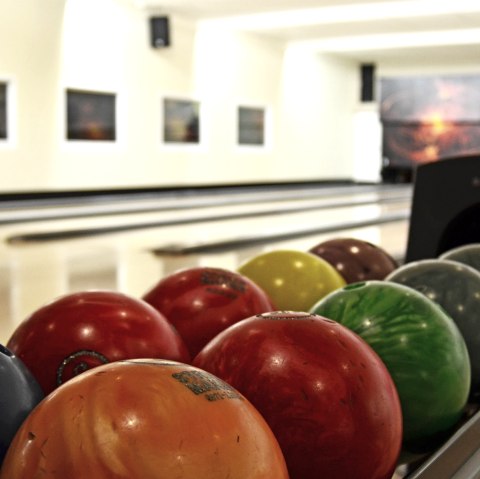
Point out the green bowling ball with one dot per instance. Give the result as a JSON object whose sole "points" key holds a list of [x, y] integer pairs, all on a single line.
{"points": [[422, 348]]}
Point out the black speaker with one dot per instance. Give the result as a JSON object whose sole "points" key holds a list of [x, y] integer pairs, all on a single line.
{"points": [[159, 32], [367, 90], [445, 207]]}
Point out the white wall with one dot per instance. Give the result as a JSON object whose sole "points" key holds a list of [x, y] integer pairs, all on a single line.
{"points": [[317, 129], [318, 99], [309, 99], [30, 39]]}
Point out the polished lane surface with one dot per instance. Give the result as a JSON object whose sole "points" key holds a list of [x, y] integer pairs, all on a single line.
{"points": [[48, 249]]}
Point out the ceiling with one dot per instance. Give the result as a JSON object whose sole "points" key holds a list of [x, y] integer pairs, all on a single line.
{"points": [[419, 31]]}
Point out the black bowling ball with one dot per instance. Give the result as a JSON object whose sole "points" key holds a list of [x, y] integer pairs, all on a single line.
{"points": [[19, 394]]}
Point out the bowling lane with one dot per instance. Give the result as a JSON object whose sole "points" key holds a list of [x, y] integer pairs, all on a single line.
{"points": [[188, 206], [41, 207], [35, 271]]}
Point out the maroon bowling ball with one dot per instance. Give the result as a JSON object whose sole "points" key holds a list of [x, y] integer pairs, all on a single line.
{"points": [[82, 330], [19, 394], [201, 302], [356, 260], [324, 392]]}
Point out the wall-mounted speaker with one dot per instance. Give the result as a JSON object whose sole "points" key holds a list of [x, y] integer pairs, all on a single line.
{"points": [[445, 207], [367, 77], [159, 32]]}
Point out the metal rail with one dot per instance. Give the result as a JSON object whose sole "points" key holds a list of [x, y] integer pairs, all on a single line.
{"points": [[58, 208], [248, 241], [458, 458]]}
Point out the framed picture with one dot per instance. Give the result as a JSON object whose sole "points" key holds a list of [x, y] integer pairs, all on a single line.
{"points": [[91, 116], [3, 111], [428, 118], [181, 121], [251, 126]]}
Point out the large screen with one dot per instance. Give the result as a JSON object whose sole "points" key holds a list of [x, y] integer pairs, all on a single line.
{"points": [[425, 119]]}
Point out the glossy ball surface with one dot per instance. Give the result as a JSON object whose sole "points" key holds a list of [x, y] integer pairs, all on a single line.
{"points": [[421, 347], [294, 280], [201, 302], [82, 330], [145, 419], [468, 254], [356, 260], [456, 288], [19, 394], [326, 395]]}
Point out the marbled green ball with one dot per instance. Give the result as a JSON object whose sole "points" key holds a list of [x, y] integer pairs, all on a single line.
{"points": [[419, 343]]}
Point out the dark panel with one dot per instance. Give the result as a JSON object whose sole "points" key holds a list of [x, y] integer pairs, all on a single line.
{"points": [[445, 208], [3, 111], [367, 92], [159, 32]]}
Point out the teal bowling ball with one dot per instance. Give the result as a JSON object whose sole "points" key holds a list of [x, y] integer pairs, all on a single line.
{"points": [[422, 348], [456, 288], [468, 254]]}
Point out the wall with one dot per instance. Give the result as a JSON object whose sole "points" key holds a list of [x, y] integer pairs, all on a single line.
{"points": [[317, 128], [30, 56], [103, 45]]}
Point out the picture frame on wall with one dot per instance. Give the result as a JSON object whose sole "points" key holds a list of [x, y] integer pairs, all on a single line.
{"points": [[181, 121], [91, 116], [8, 113], [251, 126], [3, 110], [427, 118]]}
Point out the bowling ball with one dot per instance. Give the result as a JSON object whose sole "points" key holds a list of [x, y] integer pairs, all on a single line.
{"points": [[83, 330], [201, 302], [19, 394], [455, 287], [145, 419], [326, 395], [421, 347], [294, 280], [468, 254], [356, 260]]}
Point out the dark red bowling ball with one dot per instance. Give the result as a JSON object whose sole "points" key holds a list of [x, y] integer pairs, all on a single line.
{"points": [[325, 393], [201, 302], [19, 394], [356, 260], [82, 330]]}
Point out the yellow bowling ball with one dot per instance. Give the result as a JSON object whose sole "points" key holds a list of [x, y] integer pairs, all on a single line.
{"points": [[294, 280]]}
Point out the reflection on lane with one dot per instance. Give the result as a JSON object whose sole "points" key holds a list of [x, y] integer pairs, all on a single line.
{"points": [[34, 273]]}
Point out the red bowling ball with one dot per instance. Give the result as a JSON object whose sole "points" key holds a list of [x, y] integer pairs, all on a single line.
{"points": [[325, 393], [201, 302], [83, 330], [356, 260]]}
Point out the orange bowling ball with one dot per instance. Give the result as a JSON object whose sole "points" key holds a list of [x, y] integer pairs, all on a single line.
{"points": [[144, 419]]}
